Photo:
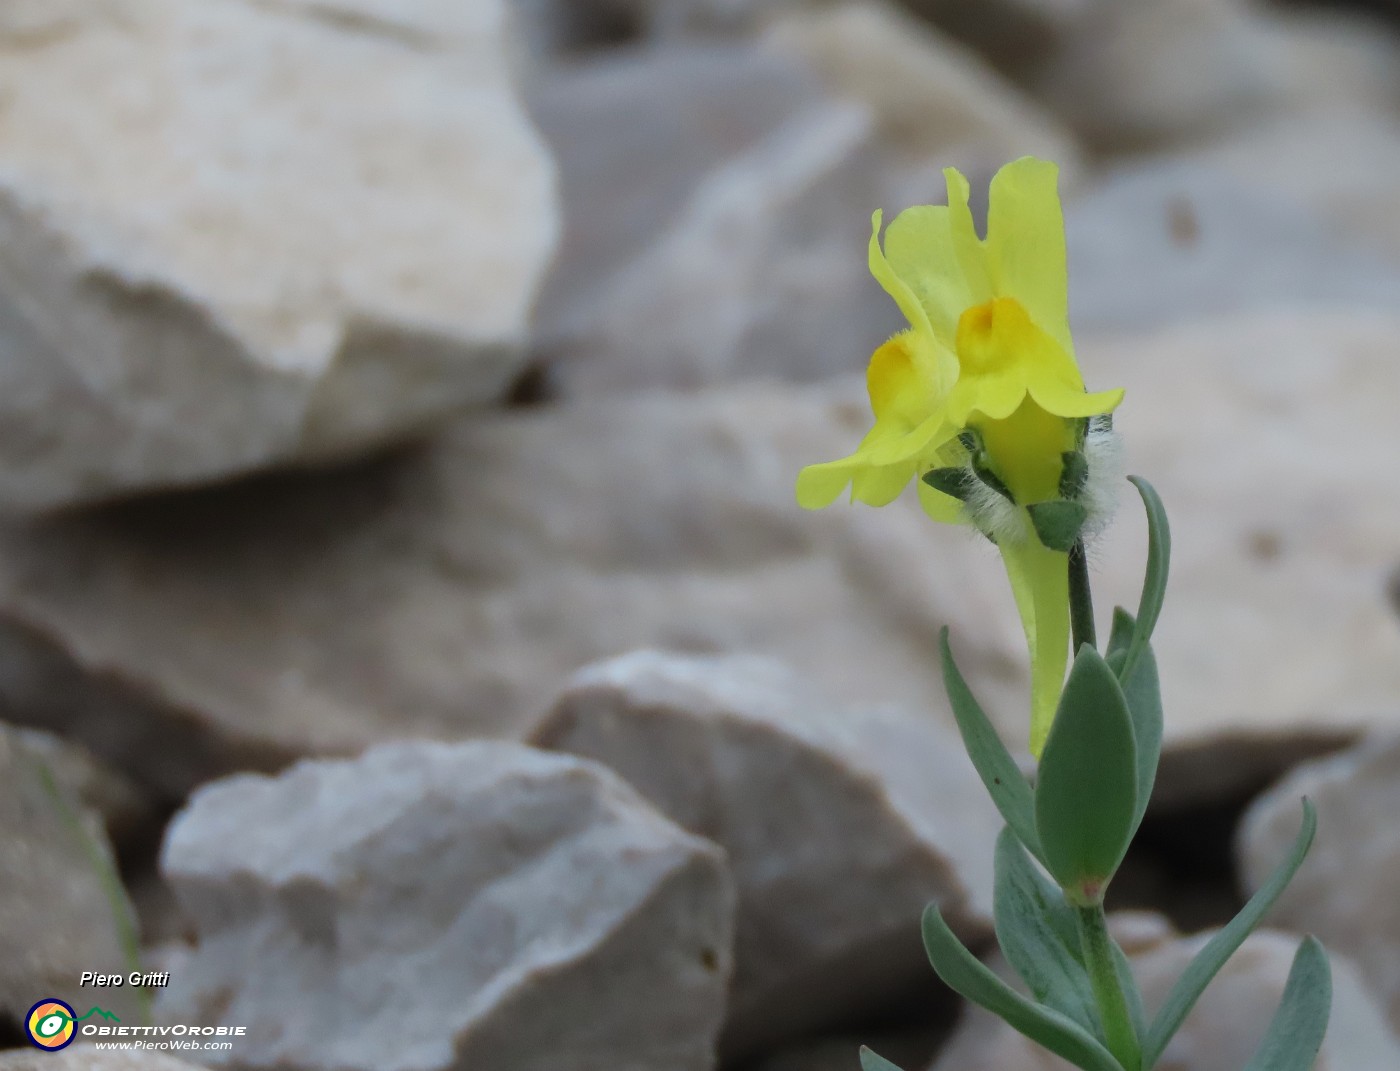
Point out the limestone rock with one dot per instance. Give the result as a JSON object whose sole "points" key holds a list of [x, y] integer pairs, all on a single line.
{"points": [[1267, 436], [1224, 1028], [1332, 166], [81, 1057], [716, 203], [936, 103], [58, 915], [448, 593], [840, 825], [1132, 74], [450, 906], [1344, 891], [1177, 240], [125, 811], [223, 248]]}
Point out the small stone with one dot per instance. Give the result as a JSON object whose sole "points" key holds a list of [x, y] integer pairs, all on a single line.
{"points": [[449, 906], [1345, 890], [1226, 1025], [840, 825], [322, 264], [61, 910]]}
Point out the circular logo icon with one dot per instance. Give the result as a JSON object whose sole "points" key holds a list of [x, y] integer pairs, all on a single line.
{"points": [[50, 1024]]}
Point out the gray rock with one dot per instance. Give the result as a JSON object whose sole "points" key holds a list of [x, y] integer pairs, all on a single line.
{"points": [[1175, 240], [126, 812], [450, 592], [1224, 1028], [1345, 890], [840, 825], [1267, 436], [716, 204], [1134, 74], [81, 1057], [449, 906], [61, 911], [323, 263]]}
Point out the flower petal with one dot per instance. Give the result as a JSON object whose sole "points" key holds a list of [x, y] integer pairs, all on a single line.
{"points": [[819, 486], [1064, 401], [942, 508], [879, 485], [893, 284], [1040, 583], [1026, 244]]}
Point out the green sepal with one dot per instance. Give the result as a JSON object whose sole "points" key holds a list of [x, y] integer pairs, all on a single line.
{"points": [[1074, 473], [955, 482], [1144, 696], [1295, 1034], [1208, 961], [966, 975], [991, 479], [1086, 788], [1057, 523], [1154, 586], [870, 1061], [994, 764], [1039, 936]]}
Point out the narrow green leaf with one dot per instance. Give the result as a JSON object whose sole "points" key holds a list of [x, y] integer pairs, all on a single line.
{"points": [[1154, 586], [1131, 993], [1295, 1034], [1144, 696], [1221, 947], [1086, 789], [994, 764], [870, 1061], [1038, 934], [969, 977]]}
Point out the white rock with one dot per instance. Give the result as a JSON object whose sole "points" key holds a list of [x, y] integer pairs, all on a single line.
{"points": [[449, 906], [1176, 240], [717, 202], [449, 593], [936, 102], [224, 247], [1268, 437], [1225, 1027], [1345, 890], [840, 825], [58, 915], [1130, 74]]}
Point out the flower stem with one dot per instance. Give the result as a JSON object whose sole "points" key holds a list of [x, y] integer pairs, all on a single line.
{"points": [[1108, 993], [1081, 605]]}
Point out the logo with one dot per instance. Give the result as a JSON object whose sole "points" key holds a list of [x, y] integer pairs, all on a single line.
{"points": [[50, 1024]]}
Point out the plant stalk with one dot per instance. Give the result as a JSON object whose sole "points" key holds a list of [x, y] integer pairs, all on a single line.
{"points": [[1081, 604], [1117, 1023]]}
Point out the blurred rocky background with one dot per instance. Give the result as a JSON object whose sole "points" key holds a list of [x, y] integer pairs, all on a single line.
{"points": [[401, 587]]}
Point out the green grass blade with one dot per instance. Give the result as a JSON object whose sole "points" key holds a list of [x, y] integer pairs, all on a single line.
{"points": [[1294, 1037], [998, 770], [1222, 946], [968, 976]]}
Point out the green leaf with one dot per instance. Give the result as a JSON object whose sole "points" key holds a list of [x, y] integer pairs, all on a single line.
{"points": [[969, 977], [1057, 523], [1221, 947], [1131, 993], [1295, 1035], [1038, 934], [956, 482], [1086, 790], [994, 764], [1154, 586], [869, 1061], [1144, 696]]}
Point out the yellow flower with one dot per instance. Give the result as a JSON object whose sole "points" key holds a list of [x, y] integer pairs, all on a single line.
{"points": [[981, 398]]}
